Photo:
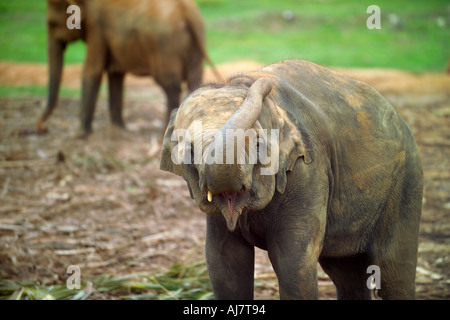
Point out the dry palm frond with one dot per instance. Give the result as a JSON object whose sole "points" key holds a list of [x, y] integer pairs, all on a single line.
{"points": [[179, 282]]}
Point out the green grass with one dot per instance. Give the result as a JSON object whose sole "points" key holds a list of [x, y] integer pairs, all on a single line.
{"points": [[331, 33], [35, 91], [24, 33]]}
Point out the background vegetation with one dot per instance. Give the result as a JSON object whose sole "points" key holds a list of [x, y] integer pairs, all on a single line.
{"points": [[414, 35]]}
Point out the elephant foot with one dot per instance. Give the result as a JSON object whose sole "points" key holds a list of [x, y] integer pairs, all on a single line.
{"points": [[83, 134], [119, 125]]}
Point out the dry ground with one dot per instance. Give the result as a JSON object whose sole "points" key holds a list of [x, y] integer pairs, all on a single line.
{"points": [[104, 205]]}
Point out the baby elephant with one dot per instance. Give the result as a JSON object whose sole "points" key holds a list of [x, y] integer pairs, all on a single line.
{"points": [[309, 165]]}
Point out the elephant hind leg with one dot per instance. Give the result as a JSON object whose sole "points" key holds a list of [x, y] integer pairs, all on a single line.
{"points": [[396, 242], [396, 256], [194, 77], [173, 92], [348, 275], [169, 76], [397, 279]]}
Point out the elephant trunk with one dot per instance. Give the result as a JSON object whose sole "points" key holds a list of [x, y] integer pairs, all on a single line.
{"points": [[56, 50], [247, 115], [235, 177]]}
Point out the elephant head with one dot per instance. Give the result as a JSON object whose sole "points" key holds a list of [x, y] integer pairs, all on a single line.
{"points": [[233, 145], [58, 37]]}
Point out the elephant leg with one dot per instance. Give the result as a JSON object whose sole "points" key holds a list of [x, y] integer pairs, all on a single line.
{"points": [[56, 54], [293, 251], [230, 261], [396, 256], [93, 67], [195, 75], [349, 276], [169, 78], [396, 242], [90, 87], [115, 82], [172, 92], [398, 276]]}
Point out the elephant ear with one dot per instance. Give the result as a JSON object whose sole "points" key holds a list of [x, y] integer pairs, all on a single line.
{"points": [[293, 144], [166, 162]]}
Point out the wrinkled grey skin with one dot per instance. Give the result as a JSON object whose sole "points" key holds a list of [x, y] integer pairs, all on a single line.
{"points": [[163, 39], [348, 193]]}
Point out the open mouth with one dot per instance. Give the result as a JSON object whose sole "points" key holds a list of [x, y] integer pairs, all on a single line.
{"points": [[230, 199], [229, 211]]}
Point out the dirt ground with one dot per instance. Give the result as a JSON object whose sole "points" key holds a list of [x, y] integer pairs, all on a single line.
{"points": [[104, 205]]}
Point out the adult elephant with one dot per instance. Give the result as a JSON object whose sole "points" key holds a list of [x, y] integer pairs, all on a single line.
{"points": [[163, 39], [337, 180]]}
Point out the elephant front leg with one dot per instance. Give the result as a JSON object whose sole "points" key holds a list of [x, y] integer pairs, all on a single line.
{"points": [[115, 82], [294, 253], [230, 261], [55, 54]]}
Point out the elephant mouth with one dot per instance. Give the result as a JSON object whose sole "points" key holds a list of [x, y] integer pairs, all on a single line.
{"points": [[230, 211], [230, 199], [230, 205]]}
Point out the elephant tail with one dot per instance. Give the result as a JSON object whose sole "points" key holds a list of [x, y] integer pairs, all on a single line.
{"points": [[195, 24]]}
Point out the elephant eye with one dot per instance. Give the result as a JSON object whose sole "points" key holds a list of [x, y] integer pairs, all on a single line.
{"points": [[188, 155], [259, 144], [261, 149], [189, 158], [192, 154]]}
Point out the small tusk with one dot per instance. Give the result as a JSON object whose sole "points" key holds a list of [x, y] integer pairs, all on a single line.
{"points": [[209, 196]]}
